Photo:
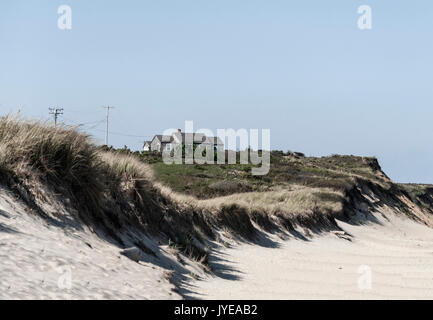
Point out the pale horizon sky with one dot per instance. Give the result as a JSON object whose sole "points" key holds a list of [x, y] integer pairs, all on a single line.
{"points": [[300, 68]]}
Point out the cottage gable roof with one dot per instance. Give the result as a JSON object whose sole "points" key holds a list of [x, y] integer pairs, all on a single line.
{"points": [[196, 138], [181, 138], [163, 139]]}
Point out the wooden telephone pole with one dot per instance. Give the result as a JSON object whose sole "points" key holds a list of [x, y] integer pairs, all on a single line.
{"points": [[106, 126], [56, 112]]}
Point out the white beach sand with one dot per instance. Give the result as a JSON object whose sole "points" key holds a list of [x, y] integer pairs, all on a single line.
{"points": [[398, 251], [42, 261]]}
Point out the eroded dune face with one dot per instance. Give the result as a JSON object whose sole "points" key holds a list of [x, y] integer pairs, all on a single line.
{"points": [[43, 261], [376, 255]]}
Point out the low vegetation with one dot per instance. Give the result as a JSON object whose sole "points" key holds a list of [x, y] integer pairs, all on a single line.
{"points": [[421, 194]]}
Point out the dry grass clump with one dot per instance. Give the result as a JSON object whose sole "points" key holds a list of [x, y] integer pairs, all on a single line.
{"points": [[126, 173], [280, 208], [66, 159], [59, 155], [296, 201], [285, 207], [229, 187], [126, 166]]}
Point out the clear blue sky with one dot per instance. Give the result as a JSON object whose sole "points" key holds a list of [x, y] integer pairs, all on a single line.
{"points": [[301, 68]]}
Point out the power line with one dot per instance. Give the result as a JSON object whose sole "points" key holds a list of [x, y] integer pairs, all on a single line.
{"points": [[87, 111], [56, 112], [125, 134], [80, 124], [94, 124]]}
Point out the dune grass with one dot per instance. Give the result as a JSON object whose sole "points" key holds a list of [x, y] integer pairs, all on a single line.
{"points": [[296, 201], [63, 157], [177, 200], [60, 156]]}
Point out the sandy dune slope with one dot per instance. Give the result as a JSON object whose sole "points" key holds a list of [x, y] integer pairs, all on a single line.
{"points": [[395, 251], [41, 261], [384, 256]]}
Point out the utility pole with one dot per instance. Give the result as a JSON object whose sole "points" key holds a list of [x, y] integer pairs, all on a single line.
{"points": [[106, 127], [56, 112]]}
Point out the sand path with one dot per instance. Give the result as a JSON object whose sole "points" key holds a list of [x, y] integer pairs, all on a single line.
{"points": [[397, 253]]}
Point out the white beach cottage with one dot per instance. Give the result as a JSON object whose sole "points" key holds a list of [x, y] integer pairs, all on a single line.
{"points": [[161, 143]]}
